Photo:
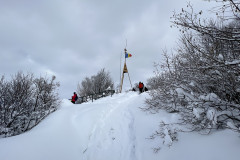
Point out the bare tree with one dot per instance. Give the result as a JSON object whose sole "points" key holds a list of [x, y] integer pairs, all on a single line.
{"points": [[86, 87], [95, 84], [25, 101]]}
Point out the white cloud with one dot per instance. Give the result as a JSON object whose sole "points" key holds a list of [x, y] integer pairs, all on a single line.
{"points": [[76, 38]]}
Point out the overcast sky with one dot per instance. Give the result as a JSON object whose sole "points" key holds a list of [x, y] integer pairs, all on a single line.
{"points": [[72, 39]]}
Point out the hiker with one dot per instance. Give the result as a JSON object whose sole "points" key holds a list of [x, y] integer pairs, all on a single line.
{"points": [[145, 89], [140, 86], [74, 97]]}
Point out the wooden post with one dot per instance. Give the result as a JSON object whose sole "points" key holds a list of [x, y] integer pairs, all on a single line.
{"points": [[121, 83]]}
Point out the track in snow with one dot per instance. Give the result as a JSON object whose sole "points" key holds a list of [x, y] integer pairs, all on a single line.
{"points": [[113, 132]]}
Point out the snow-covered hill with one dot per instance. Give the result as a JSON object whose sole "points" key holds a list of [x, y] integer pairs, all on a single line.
{"points": [[113, 128]]}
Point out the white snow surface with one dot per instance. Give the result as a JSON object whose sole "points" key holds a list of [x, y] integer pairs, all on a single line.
{"points": [[114, 128]]}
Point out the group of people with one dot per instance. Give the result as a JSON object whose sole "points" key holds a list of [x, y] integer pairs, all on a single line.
{"points": [[141, 87]]}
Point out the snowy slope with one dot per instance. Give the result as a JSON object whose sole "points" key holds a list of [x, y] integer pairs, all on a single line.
{"points": [[113, 128]]}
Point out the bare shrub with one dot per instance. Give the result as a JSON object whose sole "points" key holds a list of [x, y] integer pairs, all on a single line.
{"points": [[201, 81], [25, 101]]}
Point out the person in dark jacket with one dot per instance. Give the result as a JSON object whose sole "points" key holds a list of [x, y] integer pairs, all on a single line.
{"points": [[145, 89], [74, 97]]}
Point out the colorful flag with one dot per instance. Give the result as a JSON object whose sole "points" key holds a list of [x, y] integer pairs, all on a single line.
{"points": [[127, 55]]}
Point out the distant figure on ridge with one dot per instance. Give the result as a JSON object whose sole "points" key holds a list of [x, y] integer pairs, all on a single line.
{"points": [[140, 86], [74, 97]]}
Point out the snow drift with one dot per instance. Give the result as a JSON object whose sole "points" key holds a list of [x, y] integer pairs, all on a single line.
{"points": [[114, 128]]}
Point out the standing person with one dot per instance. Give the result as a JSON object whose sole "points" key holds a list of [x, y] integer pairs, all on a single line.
{"points": [[140, 86], [74, 97], [143, 87]]}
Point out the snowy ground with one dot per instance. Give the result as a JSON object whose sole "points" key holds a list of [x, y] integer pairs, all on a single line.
{"points": [[113, 128]]}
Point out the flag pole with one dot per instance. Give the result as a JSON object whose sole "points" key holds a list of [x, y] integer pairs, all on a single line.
{"points": [[125, 70]]}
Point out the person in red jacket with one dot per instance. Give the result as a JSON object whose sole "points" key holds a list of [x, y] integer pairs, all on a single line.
{"points": [[74, 97], [140, 86]]}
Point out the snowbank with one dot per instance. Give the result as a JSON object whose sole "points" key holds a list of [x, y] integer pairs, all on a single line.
{"points": [[113, 128]]}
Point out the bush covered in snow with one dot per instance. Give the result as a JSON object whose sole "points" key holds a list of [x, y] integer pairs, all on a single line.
{"points": [[25, 101], [202, 80]]}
